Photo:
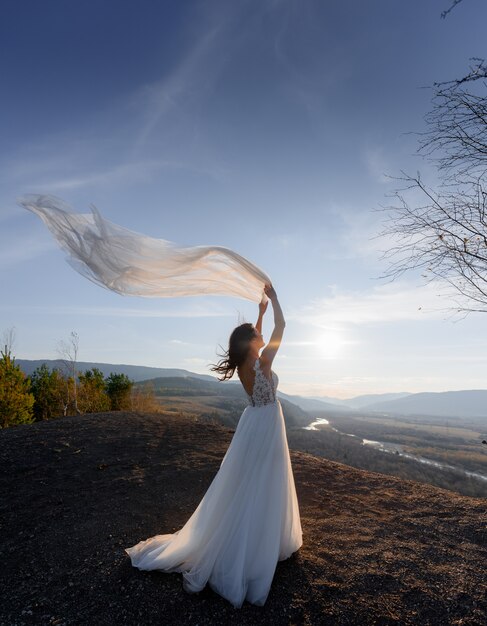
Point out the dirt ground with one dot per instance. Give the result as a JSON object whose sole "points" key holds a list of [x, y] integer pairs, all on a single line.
{"points": [[76, 491]]}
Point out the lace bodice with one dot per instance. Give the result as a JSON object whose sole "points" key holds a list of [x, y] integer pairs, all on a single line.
{"points": [[264, 391]]}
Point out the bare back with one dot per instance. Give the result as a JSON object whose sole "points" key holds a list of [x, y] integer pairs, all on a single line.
{"points": [[246, 374]]}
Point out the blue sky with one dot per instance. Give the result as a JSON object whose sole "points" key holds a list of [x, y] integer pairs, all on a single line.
{"points": [[265, 126]]}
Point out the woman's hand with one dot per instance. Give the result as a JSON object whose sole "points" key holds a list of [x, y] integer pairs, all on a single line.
{"points": [[270, 292], [263, 307]]}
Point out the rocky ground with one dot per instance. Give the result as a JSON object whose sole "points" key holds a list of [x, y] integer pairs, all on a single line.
{"points": [[76, 491]]}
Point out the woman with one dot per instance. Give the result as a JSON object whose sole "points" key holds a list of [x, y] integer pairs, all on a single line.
{"points": [[248, 519]]}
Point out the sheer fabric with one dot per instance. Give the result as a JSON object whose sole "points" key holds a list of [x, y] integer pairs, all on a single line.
{"points": [[134, 264], [248, 519]]}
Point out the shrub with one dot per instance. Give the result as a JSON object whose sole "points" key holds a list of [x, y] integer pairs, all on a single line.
{"points": [[143, 398], [92, 395], [49, 389], [119, 389], [16, 400]]}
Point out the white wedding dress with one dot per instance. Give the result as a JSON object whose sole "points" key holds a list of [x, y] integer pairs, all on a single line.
{"points": [[248, 519]]}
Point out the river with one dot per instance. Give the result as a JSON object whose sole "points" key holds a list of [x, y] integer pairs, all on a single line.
{"points": [[395, 448]]}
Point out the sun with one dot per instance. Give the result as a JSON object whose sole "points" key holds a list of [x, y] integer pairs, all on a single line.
{"points": [[331, 343]]}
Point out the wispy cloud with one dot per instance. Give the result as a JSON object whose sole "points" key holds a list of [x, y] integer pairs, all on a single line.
{"points": [[359, 234], [111, 155], [188, 78], [392, 302], [195, 311], [195, 361], [154, 113], [39, 159], [127, 173], [48, 175], [22, 249], [213, 35], [283, 241]]}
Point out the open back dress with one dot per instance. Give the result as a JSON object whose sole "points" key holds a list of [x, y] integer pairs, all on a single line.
{"points": [[248, 519]]}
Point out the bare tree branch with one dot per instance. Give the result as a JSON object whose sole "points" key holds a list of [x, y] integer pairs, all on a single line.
{"points": [[68, 351], [9, 339], [453, 5], [457, 126], [447, 238]]}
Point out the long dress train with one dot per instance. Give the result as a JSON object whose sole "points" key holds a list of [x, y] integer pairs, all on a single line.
{"points": [[248, 519]]}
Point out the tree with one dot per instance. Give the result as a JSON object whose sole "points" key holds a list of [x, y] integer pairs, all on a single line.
{"points": [[68, 351], [48, 388], [119, 389], [9, 339], [447, 236], [16, 400], [92, 392], [457, 123]]}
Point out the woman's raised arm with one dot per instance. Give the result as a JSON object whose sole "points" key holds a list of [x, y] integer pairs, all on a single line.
{"points": [[269, 352], [262, 310]]}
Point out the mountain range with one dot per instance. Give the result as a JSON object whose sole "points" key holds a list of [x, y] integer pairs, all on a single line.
{"points": [[470, 403], [134, 372]]}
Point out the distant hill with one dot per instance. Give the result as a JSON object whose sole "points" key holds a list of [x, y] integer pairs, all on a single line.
{"points": [[464, 403], [358, 402], [134, 372], [192, 386], [468, 403], [313, 404], [225, 398]]}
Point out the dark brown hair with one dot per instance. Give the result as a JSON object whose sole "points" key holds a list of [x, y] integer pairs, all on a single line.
{"points": [[238, 349]]}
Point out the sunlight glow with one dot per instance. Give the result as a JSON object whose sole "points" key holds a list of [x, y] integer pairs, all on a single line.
{"points": [[331, 343]]}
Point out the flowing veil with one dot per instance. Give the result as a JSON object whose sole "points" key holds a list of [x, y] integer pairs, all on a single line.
{"points": [[135, 264]]}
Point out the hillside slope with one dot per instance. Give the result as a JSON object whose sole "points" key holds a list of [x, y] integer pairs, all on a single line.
{"points": [[135, 372], [227, 399], [76, 491]]}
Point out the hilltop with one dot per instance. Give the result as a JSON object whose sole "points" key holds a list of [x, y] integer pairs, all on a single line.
{"points": [[77, 490]]}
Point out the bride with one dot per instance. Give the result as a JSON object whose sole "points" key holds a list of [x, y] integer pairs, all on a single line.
{"points": [[248, 519]]}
